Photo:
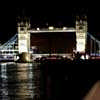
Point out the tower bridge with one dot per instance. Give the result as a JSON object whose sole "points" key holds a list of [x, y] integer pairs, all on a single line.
{"points": [[20, 42]]}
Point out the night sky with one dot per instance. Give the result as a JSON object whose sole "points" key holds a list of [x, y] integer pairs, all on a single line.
{"points": [[44, 16]]}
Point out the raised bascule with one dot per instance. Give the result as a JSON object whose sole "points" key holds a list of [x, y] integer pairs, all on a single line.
{"points": [[21, 41]]}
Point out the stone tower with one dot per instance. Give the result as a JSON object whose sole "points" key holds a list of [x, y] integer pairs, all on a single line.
{"points": [[23, 37], [81, 34]]}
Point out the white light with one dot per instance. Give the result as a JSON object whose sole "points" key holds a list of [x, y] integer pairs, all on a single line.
{"points": [[38, 29], [64, 28], [33, 47], [17, 57], [87, 56], [64, 56], [39, 56], [82, 57], [51, 28]]}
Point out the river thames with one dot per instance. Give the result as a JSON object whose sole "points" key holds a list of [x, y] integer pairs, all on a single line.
{"points": [[19, 81], [46, 81]]}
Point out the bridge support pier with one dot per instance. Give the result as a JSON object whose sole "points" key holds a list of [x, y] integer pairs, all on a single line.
{"points": [[24, 38]]}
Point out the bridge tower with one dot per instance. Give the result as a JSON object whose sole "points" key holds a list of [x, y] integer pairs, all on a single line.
{"points": [[81, 34], [23, 37]]}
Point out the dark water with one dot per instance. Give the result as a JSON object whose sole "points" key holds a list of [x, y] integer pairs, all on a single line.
{"points": [[46, 81], [63, 81], [19, 81]]}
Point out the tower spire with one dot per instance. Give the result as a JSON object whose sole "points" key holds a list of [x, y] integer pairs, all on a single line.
{"points": [[23, 35]]}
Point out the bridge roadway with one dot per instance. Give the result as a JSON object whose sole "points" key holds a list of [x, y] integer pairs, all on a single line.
{"points": [[55, 30], [4, 56], [69, 55], [12, 56]]}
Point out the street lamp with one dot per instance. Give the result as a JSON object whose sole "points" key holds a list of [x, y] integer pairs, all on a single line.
{"points": [[51, 28]]}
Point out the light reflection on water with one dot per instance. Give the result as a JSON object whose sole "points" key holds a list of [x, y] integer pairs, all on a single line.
{"points": [[19, 81]]}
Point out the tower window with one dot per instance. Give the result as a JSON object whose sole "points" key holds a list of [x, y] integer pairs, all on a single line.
{"points": [[80, 27], [22, 28]]}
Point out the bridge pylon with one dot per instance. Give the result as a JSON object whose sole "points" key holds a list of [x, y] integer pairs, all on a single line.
{"points": [[23, 37], [81, 33]]}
